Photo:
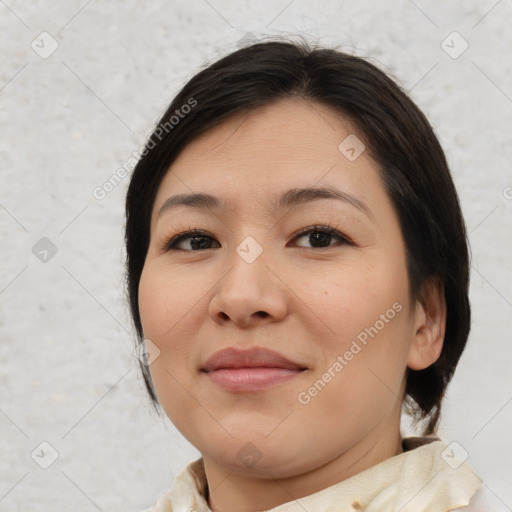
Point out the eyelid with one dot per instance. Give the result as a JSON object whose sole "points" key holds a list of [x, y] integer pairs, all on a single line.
{"points": [[166, 242], [327, 228]]}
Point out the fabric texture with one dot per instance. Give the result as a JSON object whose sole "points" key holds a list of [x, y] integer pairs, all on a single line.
{"points": [[426, 477]]}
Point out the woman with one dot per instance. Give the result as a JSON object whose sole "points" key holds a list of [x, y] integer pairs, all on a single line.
{"points": [[298, 269]]}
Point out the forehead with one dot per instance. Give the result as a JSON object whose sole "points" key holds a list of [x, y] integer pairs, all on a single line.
{"points": [[297, 130], [288, 144]]}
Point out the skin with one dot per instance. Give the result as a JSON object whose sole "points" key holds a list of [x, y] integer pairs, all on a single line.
{"points": [[315, 301]]}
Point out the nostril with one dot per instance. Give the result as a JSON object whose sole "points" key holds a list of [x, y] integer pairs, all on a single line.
{"points": [[262, 313]]}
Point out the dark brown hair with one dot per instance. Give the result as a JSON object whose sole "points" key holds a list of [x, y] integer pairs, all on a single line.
{"points": [[399, 138]]}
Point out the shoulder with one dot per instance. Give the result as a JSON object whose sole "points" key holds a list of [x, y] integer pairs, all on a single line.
{"points": [[484, 501], [163, 504], [187, 491]]}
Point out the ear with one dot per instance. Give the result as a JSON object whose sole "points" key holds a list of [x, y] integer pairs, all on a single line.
{"points": [[429, 326]]}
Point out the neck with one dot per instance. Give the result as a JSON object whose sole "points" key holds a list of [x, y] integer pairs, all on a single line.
{"points": [[230, 492]]}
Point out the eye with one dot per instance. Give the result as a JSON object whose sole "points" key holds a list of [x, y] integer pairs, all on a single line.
{"points": [[320, 237], [199, 240]]}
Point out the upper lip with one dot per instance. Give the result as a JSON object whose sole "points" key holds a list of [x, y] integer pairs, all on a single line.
{"points": [[250, 358]]}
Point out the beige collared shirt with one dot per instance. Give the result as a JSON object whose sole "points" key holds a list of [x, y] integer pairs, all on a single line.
{"points": [[427, 477]]}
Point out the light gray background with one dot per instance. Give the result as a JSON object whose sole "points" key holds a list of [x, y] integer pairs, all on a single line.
{"points": [[70, 120]]}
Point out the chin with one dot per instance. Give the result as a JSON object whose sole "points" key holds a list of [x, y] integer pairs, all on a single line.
{"points": [[260, 457]]}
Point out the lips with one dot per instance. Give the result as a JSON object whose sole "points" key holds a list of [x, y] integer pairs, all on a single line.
{"points": [[249, 370], [252, 358]]}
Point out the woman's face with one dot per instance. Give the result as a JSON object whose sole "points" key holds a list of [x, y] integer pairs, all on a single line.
{"points": [[335, 305]]}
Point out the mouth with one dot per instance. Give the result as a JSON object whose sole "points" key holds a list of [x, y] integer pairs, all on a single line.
{"points": [[250, 370]]}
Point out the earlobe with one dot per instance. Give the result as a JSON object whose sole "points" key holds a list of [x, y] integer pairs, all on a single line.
{"points": [[429, 326]]}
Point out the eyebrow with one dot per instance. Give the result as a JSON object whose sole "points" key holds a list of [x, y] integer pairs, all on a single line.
{"points": [[292, 197]]}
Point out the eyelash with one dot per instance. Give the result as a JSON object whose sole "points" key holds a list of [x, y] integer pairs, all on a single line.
{"points": [[327, 229]]}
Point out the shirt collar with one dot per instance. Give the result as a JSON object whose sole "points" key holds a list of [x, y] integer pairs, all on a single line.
{"points": [[428, 476]]}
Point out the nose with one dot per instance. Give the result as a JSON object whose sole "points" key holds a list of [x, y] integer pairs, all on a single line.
{"points": [[251, 292]]}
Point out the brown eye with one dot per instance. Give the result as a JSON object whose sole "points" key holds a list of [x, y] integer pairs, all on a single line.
{"points": [[320, 236], [199, 240]]}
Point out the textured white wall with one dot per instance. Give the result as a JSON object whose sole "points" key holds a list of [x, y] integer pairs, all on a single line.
{"points": [[72, 118]]}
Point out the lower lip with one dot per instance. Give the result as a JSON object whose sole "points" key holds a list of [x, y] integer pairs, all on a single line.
{"points": [[250, 379]]}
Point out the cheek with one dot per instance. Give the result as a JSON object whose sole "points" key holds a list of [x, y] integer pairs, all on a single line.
{"points": [[166, 308], [166, 298], [368, 331], [353, 299], [358, 381], [173, 307]]}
